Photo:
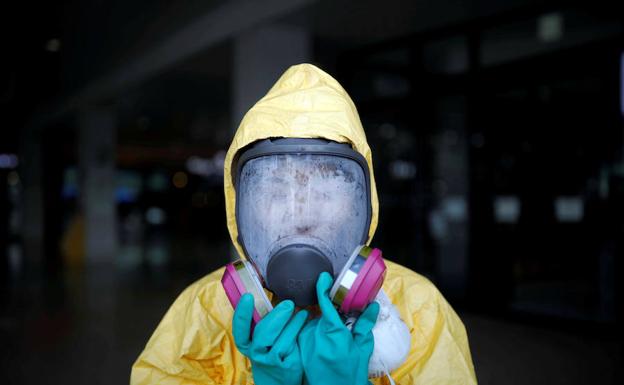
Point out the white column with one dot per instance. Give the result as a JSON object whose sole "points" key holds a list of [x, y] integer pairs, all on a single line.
{"points": [[261, 55], [96, 154], [31, 175], [451, 194]]}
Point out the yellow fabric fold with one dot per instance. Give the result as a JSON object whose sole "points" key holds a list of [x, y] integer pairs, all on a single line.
{"points": [[193, 343]]}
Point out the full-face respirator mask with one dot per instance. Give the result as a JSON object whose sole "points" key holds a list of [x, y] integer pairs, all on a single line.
{"points": [[303, 206]]}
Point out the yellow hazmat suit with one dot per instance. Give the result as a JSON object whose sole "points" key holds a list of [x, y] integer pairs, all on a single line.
{"points": [[193, 343]]}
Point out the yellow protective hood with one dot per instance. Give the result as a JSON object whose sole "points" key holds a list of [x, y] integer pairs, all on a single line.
{"points": [[193, 344], [304, 103]]}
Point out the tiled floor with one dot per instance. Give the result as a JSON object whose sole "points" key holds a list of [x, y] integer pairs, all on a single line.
{"points": [[88, 329]]}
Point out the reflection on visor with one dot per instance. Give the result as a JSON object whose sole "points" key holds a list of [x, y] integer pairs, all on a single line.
{"points": [[317, 199]]}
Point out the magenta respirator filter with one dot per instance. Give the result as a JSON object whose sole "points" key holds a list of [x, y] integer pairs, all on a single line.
{"points": [[357, 284], [241, 277], [359, 281]]}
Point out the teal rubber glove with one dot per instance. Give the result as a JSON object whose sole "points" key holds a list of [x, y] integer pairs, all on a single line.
{"points": [[331, 353], [273, 348]]}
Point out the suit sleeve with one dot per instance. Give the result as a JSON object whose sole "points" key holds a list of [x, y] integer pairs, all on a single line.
{"points": [[192, 344], [439, 352]]}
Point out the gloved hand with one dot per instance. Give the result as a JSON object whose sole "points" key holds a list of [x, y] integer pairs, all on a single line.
{"points": [[273, 348], [331, 353]]}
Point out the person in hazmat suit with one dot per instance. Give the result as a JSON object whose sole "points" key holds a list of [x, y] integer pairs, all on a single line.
{"points": [[301, 205]]}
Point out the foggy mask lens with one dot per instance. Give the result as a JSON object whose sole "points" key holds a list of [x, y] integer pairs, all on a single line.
{"points": [[313, 199]]}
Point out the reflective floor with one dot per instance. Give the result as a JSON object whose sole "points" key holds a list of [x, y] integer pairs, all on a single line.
{"points": [[89, 327]]}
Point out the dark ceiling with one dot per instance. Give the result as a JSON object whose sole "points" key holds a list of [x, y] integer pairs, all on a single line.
{"points": [[96, 37]]}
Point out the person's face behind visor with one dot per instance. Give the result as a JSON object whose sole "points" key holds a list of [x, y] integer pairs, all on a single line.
{"points": [[312, 199]]}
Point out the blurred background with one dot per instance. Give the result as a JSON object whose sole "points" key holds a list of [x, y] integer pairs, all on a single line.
{"points": [[497, 135]]}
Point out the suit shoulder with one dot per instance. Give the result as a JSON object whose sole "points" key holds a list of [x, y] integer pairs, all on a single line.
{"points": [[409, 288], [207, 293], [209, 282], [439, 344], [397, 273]]}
